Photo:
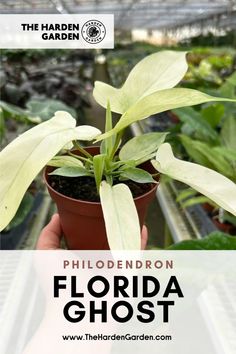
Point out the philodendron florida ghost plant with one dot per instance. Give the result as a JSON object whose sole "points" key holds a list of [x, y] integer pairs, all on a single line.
{"points": [[148, 89]]}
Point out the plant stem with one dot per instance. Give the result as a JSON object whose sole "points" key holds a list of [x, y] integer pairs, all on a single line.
{"points": [[83, 151], [109, 179], [115, 174], [80, 157], [117, 142]]}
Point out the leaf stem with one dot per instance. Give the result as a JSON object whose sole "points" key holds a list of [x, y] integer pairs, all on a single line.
{"points": [[109, 179], [83, 151], [117, 142], [80, 157]]}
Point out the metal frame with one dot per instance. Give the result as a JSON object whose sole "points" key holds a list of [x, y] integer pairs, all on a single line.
{"points": [[140, 14]]}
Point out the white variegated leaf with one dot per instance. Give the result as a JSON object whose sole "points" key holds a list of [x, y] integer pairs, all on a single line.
{"points": [[121, 218], [160, 101], [158, 71], [141, 146], [64, 161], [206, 181], [70, 172], [25, 156], [87, 132]]}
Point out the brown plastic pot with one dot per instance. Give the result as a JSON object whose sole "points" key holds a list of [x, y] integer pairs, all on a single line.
{"points": [[82, 221], [208, 208], [224, 227]]}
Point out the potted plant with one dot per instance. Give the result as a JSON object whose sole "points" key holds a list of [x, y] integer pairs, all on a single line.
{"points": [[147, 90]]}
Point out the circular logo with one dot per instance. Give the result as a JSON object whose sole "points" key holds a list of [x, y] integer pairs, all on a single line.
{"points": [[93, 31]]}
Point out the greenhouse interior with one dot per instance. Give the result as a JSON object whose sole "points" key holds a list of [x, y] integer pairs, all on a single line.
{"points": [[35, 83]]}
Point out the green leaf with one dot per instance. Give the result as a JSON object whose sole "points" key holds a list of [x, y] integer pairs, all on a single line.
{"points": [[229, 154], [228, 88], [207, 156], [189, 197], [25, 156], [208, 182], [228, 132], [213, 114], [64, 161], [13, 110], [141, 147], [158, 71], [232, 79], [193, 152], [186, 193], [70, 172], [160, 101], [200, 128], [46, 108], [107, 144], [98, 165], [137, 175], [219, 162], [109, 126], [229, 218], [194, 201], [121, 218], [215, 241]]}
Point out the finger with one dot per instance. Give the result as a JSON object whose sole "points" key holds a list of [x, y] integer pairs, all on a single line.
{"points": [[50, 236], [144, 237]]}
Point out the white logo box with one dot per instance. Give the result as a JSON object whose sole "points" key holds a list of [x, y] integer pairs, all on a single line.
{"points": [[70, 31]]}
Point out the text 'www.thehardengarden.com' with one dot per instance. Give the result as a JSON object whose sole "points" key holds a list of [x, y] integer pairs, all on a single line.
{"points": [[116, 337]]}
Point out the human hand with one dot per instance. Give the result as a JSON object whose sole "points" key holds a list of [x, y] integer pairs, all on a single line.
{"points": [[51, 235]]}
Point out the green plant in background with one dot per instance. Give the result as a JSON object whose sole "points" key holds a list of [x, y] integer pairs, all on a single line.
{"points": [[219, 158], [212, 127], [148, 89], [204, 74], [209, 66], [44, 109], [208, 137], [189, 197], [30, 54], [7, 111], [36, 111], [214, 241]]}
